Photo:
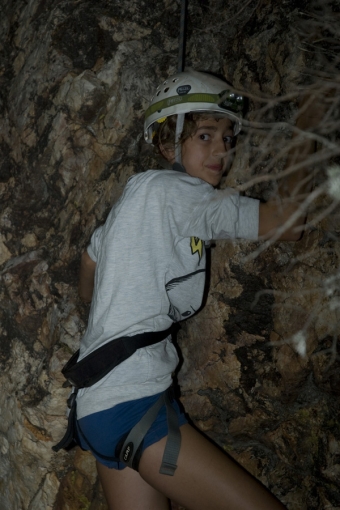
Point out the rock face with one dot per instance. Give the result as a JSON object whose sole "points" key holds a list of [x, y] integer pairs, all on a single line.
{"points": [[260, 368]]}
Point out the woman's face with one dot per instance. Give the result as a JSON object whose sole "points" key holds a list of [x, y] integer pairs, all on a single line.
{"points": [[205, 154]]}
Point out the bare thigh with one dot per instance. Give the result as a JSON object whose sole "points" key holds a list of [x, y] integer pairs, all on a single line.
{"points": [[205, 478], [126, 490]]}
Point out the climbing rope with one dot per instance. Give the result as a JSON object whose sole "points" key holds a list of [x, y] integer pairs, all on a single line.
{"points": [[181, 54]]}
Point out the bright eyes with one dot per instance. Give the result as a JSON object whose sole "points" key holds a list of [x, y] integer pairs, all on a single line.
{"points": [[228, 140]]}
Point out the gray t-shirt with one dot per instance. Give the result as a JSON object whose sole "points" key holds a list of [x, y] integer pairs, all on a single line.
{"points": [[150, 272]]}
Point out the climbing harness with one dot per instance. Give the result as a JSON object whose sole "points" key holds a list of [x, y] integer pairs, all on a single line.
{"points": [[130, 447], [94, 367]]}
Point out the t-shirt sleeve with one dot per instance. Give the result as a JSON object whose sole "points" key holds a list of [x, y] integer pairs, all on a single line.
{"points": [[93, 247], [224, 214], [246, 217]]}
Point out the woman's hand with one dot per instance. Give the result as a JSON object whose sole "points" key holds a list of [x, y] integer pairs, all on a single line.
{"points": [[280, 211]]}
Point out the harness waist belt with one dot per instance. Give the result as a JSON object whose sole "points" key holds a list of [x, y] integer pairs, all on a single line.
{"points": [[97, 364]]}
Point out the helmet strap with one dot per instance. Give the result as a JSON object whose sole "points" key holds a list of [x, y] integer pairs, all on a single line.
{"points": [[179, 130]]}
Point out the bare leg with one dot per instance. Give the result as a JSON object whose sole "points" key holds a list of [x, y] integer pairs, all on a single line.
{"points": [[205, 478], [126, 490]]}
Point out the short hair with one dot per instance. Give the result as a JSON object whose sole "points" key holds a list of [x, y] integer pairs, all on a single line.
{"points": [[166, 131]]}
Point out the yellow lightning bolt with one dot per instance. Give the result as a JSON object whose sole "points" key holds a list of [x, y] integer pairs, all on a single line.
{"points": [[196, 245]]}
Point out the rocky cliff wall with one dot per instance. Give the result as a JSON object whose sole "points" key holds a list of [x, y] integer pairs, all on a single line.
{"points": [[260, 367]]}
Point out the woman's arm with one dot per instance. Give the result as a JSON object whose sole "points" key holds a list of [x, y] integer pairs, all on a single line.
{"points": [[276, 212], [86, 277]]}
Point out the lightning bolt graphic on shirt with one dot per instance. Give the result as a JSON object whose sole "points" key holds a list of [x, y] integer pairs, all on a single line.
{"points": [[196, 245]]}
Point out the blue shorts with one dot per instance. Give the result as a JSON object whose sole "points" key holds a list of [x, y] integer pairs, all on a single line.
{"points": [[100, 432]]}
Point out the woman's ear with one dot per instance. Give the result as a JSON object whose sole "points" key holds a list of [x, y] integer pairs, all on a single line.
{"points": [[168, 152]]}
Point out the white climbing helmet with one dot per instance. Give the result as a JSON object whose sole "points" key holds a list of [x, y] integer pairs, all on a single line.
{"points": [[193, 91]]}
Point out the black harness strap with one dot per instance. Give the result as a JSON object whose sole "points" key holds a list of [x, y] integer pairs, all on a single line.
{"points": [[70, 438], [97, 364]]}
